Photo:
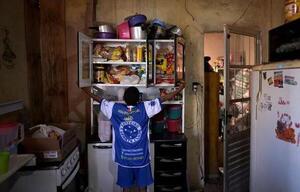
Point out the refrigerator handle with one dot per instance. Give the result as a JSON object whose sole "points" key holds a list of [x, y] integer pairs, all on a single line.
{"points": [[102, 147]]}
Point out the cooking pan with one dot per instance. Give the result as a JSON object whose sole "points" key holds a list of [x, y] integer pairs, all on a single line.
{"points": [[103, 28], [137, 32], [105, 35]]}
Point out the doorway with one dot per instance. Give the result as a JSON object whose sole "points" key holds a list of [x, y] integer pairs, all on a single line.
{"points": [[230, 56], [214, 109]]}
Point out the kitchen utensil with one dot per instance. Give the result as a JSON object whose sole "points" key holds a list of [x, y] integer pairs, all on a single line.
{"points": [[105, 35], [137, 33], [4, 162], [123, 30], [104, 28], [136, 20]]}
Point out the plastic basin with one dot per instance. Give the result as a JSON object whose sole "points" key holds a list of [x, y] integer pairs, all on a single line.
{"points": [[173, 125], [175, 112]]}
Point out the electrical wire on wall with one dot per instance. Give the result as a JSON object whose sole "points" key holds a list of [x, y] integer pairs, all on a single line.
{"points": [[200, 136]]}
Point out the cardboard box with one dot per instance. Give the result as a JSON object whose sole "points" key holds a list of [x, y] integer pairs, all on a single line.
{"points": [[50, 149]]}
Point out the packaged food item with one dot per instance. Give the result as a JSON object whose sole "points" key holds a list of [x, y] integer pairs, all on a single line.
{"points": [[128, 54], [99, 74], [139, 53], [117, 53], [134, 54]]}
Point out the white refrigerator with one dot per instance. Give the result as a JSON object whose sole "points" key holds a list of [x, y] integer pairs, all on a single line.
{"points": [[275, 128]]}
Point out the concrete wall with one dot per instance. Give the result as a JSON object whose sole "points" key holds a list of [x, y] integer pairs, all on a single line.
{"points": [[13, 76], [196, 17]]}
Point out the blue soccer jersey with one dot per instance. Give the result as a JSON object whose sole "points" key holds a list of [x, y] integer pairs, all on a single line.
{"points": [[130, 131]]}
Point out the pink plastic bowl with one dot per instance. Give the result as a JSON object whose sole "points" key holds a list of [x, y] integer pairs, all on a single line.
{"points": [[123, 30]]}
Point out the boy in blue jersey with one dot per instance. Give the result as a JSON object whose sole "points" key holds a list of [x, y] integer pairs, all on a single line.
{"points": [[130, 135]]}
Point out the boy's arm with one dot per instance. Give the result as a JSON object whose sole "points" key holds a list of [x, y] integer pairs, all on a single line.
{"points": [[87, 90], [172, 94]]}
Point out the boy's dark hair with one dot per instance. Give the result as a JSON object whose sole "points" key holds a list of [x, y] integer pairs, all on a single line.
{"points": [[131, 96]]}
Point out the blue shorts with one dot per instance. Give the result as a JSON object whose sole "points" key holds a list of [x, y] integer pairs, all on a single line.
{"points": [[129, 177]]}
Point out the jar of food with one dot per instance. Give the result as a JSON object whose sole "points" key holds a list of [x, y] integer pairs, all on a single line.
{"points": [[99, 73]]}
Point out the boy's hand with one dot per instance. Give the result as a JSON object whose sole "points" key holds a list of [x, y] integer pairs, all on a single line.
{"points": [[87, 90], [181, 85]]}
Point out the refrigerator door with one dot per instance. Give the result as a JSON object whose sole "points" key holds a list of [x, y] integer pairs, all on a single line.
{"points": [[275, 130], [241, 53], [84, 60]]}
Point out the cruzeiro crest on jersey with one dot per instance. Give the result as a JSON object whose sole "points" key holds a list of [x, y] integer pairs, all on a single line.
{"points": [[130, 131]]}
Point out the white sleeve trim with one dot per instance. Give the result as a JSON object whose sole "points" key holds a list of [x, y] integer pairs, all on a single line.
{"points": [[152, 107], [106, 108]]}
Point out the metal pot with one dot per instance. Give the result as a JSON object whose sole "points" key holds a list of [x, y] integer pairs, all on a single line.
{"points": [[104, 28], [137, 33], [105, 35]]}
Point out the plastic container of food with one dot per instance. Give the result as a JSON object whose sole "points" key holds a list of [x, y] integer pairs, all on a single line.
{"points": [[174, 125], [123, 30], [175, 112]]}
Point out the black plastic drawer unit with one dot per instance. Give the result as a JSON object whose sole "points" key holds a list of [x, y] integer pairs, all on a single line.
{"points": [[170, 165], [170, 177]]}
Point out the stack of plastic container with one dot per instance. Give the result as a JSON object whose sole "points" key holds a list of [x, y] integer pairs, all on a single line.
{"points": [[174, 114]]}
